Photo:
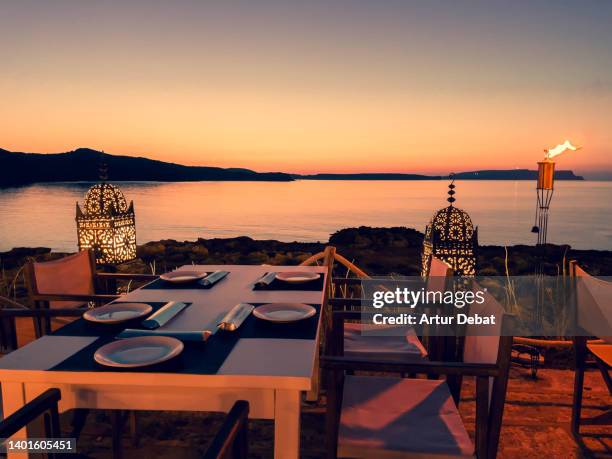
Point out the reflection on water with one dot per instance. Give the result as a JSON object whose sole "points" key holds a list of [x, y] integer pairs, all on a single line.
{"points": [[43, 214]]}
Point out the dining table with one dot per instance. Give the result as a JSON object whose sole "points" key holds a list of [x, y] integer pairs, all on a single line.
{"points": [[268, 364]]}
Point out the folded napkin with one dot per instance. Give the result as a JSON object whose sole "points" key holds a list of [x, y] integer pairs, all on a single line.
{"points": [[164, 315], [234, 318], [266, 280], [181, 335], [213, 278]]}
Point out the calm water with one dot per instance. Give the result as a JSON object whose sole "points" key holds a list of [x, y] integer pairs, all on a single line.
{"points": [[43, 214]]}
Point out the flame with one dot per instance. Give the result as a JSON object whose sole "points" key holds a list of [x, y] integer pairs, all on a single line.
{"points": [[559, 149]]}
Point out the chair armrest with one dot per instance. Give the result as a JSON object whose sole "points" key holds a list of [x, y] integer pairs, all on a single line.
{"points": [[127, 276], [11, 303], [26, 414], [73, 297], [231, 439], [342, 316], [347, 280], [63, 312], [393, 366], [338, 304]]}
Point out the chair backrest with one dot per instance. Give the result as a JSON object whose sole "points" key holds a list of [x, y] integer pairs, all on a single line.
{"points": [[482, 343], [439, 347], [439, 268], [73, 274], [328, 262], [593, 304], [327, 258], [439, 274], [485, 344]]}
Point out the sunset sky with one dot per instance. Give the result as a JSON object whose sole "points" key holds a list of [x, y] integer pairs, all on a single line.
{"points": [[311, 86]]}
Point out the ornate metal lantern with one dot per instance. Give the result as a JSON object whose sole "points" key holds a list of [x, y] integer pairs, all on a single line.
{"points": [[106, 224], [451, 237]]}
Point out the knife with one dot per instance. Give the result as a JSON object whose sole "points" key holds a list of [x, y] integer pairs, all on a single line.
{"points": [[181, 335], [266, 280], [213, 278], [164, 315], [234, 318]]}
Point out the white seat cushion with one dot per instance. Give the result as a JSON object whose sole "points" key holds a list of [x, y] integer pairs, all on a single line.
{"points": [[397, 417], [402, 344]]}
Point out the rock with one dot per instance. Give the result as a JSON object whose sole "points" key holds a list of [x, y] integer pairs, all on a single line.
{"points": [[150, 251]]}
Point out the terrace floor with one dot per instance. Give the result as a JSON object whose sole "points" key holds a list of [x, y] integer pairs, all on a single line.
{"points": [[536, 424]]}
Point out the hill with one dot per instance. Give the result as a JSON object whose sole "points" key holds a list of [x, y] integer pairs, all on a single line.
{"points": [[83, 164], [500, 174]]}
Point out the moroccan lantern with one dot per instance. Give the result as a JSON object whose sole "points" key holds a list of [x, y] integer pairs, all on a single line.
{"points": [[451, 237], [107, 225]]}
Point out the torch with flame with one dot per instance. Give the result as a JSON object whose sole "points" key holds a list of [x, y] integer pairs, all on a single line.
{"points": [[559, 149], [545, 187]]}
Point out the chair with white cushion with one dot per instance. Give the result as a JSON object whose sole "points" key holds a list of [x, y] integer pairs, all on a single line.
{"points": [[359, 341], [390, 417], [594, 316]]}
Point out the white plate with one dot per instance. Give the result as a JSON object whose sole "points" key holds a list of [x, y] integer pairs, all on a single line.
{"points": [[297, 277], [183, 277], [115, 313], [138, 352], [284, 312]]}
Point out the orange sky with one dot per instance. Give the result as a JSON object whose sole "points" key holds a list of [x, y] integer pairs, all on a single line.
{"points": [[309, 88]]}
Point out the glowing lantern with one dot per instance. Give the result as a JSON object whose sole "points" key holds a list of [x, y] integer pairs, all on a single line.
{"points": [[546, 175], [451, 237], [106, 224]]}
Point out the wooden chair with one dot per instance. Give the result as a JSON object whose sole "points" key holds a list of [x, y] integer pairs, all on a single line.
{"points": [[359, 343], [594, 310], [231, 441], [45, 404], [70, 282], [11, 311], [390, 417]]}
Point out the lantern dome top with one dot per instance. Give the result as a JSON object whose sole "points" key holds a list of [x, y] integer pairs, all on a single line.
{"points": [[104, 199], [450, 225]]}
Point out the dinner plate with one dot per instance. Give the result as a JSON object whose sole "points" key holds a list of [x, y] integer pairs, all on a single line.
{"points": [[183, 277], [138, 352], [115, 313], [297, 277], [284, 312]]}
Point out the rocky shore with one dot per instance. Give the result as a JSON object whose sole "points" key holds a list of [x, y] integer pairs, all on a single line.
{"points": [[378, 251]]}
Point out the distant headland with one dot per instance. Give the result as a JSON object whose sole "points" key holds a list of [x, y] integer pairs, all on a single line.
{"points": [[83, 164]]}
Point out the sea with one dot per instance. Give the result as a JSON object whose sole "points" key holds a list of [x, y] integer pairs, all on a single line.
{"points": [[43, 215]]}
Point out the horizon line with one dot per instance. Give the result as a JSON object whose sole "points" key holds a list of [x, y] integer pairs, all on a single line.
{"points": [[603, 175]]}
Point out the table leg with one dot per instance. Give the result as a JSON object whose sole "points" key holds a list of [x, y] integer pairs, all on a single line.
{"points": [[287, 424], [13, 398], [313, 394]]}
